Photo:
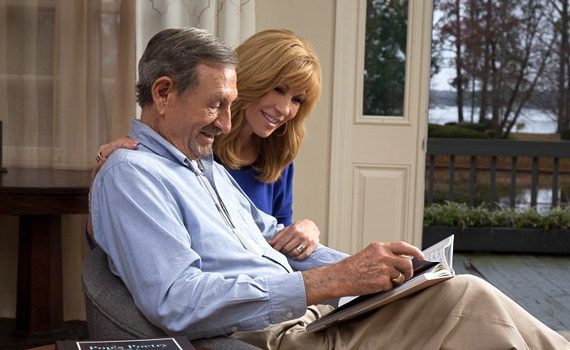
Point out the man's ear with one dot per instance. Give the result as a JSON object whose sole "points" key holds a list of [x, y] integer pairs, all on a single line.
{"points": [[162, 91]]}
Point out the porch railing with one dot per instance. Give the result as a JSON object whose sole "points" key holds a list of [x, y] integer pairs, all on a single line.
{"points": [[475, 149]]}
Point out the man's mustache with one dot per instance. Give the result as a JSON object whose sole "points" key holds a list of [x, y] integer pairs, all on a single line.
{"points": [[212, 130]]}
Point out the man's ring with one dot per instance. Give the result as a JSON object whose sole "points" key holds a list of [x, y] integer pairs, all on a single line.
{"points": [[399, 279], [300, 248], [99, 157]]}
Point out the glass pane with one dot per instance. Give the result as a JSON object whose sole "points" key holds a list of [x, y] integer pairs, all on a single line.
{"points": [[385, 57]]}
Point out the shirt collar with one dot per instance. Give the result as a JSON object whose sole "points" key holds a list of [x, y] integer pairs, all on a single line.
{"points": [[151, 140]]}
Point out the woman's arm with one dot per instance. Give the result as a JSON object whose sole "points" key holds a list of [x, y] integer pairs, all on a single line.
{"points": [[300, 238]]}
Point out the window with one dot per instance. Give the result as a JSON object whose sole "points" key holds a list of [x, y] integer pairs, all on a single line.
{"points": [[385, 57]]}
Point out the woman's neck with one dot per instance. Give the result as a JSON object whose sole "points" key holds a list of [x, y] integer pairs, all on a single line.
{"points": [[249, 146]]}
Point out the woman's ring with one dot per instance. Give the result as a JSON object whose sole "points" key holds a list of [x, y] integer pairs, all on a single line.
{"points": [[300, 248], [99, 157]]}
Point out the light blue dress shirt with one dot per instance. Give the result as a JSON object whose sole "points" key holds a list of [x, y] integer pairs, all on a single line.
{"points": [[186, 269]]}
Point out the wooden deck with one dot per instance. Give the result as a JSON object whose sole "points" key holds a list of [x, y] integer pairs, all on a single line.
{"points": [[540, 284]]}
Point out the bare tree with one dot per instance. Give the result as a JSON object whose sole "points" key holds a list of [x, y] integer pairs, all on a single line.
{"points": [[535, 48], [561, 25], [458, 60], [502, 48]]}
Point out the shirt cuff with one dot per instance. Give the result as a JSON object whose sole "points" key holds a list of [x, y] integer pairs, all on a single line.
{"points": [[287, 298], [322, 256]]}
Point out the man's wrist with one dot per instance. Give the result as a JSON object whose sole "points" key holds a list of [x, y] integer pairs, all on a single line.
{"points": [[321, 285]]}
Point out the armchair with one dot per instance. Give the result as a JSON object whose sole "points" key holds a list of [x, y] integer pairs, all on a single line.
{"points": [[113, 315]]}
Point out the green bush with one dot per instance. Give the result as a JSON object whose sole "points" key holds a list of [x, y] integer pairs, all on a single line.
{"points": [[457, 132], [473, 126], [565, 134], [462, 216], [490, 133], [432, 127]]}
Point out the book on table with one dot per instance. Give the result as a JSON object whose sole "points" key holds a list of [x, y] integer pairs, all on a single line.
{"points": [[437, 267], [174, 343]]}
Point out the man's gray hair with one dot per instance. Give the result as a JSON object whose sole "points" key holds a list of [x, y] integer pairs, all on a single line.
{"points": [[176, 53]]}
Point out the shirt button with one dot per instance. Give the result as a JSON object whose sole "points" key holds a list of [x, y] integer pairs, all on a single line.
{"points": [[289, 314], [233, 329]]}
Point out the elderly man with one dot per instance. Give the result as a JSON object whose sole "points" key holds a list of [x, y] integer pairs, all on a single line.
{"points": [[192, 248]]}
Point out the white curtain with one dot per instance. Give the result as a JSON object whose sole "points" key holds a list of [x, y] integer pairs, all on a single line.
{"points": [[66, 79], [67, 76]]}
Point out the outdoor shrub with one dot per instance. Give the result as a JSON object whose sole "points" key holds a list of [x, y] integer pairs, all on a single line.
{"points": [[565, 134], [462, 216], [490, 133], [449, 214], [472, 126], [558, 218], [457, 132], [432, 127], [531, 219]]}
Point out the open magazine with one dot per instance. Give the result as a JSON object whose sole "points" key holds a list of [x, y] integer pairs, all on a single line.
{"points": [[436, 268]]}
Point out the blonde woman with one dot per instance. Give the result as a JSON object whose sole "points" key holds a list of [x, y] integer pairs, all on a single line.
{"points": [[279, 83]]}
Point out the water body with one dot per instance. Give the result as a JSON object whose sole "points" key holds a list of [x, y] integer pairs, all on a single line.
{"points": [[534, 121], [522, 200]]}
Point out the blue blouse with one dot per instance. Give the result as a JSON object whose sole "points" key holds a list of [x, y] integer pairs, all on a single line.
{"points": [[275, 198]]}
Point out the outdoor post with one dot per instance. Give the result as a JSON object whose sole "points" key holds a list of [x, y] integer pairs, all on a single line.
{"points": [[2, 169]]}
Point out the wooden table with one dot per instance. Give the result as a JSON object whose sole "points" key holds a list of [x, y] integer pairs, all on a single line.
{"points": [[39, 197]]}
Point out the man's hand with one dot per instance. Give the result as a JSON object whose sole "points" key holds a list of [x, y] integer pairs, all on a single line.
{"points": [[298, 240], [370, 270]]}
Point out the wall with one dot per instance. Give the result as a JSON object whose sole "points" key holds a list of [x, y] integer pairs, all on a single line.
{"points": [[313, 163]]}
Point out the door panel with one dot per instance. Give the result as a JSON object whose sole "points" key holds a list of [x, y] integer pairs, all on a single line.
{"points": [[373, 184]]}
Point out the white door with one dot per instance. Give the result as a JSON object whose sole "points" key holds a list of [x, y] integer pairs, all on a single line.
{"points": [[378, 162]]}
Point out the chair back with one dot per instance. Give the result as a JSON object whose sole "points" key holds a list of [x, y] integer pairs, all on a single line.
{"points": [[112, 314], [110, 309]]}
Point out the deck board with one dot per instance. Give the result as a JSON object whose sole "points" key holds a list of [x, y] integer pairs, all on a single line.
{"points": [[540, 284]]}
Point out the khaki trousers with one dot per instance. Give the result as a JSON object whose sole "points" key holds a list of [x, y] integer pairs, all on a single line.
{"points": [[464, 312]]}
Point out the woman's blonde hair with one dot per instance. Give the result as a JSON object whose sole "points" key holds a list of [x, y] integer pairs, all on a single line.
{"points": [[269, 59]]}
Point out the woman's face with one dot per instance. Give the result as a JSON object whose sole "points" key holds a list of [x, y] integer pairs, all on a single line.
{"points": [[273, 109]]}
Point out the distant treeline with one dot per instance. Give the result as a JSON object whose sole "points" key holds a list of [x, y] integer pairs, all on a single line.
{"points": [[507, 56], [449, 98]]}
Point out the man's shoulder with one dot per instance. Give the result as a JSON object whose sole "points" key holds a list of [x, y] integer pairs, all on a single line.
{"points": [[124, 154], [126, 160]]}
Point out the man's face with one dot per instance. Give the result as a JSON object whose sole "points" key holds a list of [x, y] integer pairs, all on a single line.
{"points": [[192, 119]]}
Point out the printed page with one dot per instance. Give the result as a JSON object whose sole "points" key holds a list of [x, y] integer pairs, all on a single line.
{"points": [[441, 251]]}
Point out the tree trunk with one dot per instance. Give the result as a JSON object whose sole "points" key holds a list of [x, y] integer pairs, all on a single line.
{"points": [[458, 62], [563, 73], [485, 81]]}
